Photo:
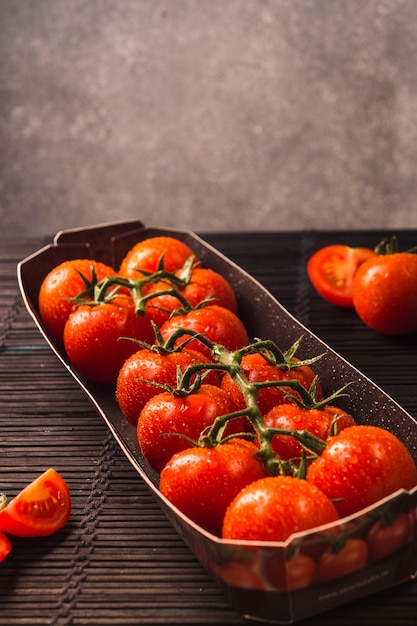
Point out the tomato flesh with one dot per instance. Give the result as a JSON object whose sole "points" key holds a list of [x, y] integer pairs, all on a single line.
{"points": [[331, 270], [40, 509]]}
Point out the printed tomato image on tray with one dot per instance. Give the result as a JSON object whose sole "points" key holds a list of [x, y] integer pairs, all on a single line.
{"points": [[343, 554]]}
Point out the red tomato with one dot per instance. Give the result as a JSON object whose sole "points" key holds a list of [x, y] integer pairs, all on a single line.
{"points": [[385, 539], [5, 546], [218, 324], [147, 254], [296, 573], [201, 482], [62, 283], [385, 293], [318, 422], [132, 389], [40, 509], [257, 369], [189, 415], [331, 271], [92, 337], [350, 558], [204, 283], [361, 465], [275, 507]]}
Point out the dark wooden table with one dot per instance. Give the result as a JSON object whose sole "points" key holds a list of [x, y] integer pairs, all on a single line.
{"points": [[118, 561]]}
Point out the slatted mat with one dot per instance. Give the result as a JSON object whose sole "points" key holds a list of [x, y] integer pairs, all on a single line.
{"points": [[118, 561]]}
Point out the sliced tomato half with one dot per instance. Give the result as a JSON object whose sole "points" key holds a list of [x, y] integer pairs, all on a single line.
{"points": [[331, 270], [5, 546], [40, 509]]}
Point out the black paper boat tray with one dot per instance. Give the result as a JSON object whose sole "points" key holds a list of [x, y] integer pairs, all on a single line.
{"points": [[239, 567]]}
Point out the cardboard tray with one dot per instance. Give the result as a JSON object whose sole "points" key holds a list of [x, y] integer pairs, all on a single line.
{"points": [[264, 581]]}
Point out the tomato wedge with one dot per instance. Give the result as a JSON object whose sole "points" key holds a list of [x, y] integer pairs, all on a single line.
{"points": [[40, 509], [5, 546], [331, 270]]}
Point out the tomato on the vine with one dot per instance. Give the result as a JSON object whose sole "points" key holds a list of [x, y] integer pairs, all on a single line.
{"points": [[63, 283], [167, 416], [218, 324], [95, 337], [141, 373], [40, 509], [147, 254], [385, 293], [360, 466], [275, 507], [257, 369], [332, 268], [5, 546], [201, 482], [204, 284], [319, 422]]}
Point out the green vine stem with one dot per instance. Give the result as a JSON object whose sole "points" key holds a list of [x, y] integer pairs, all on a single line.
{"points": [[230, 362]]}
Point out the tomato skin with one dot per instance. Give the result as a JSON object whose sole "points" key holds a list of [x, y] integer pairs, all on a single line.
{"points": [[60, 284], [332, 269], [5, 546], [385, 293], [201, 482], [257, 369], [318, 422], [383, 540], [275, 507], [189, 415], [146, 255], [132, 390], [350, 558], [218, 324], [360, 466], [40, 509], [204, 283], [92, 337]]}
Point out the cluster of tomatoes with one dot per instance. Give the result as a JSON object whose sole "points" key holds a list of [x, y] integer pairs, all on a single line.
{"points": [[380, 284], [40, 509], [244, 442]]}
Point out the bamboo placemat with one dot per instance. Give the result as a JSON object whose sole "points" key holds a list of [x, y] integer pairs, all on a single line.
{"points": [[118, 561]]}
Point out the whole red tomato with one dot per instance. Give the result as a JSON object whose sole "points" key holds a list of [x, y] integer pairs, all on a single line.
{"points": [[93, 337], [385, 293], [146, 255], [257, 369], [146, 366], [40, 509], [360, 466], [332, 268], [189, 415], [275, 507], [63, 283], [204, 283], [218, 324], [319, 422], [201, 482]]}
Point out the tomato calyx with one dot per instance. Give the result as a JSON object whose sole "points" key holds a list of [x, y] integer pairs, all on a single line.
{"points": [[390, 246]]}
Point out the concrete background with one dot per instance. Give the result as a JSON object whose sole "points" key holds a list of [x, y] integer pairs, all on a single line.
{"points": [[208, 114]]}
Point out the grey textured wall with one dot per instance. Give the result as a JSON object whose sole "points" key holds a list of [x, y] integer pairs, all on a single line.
{"points": [[208, 114]]}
